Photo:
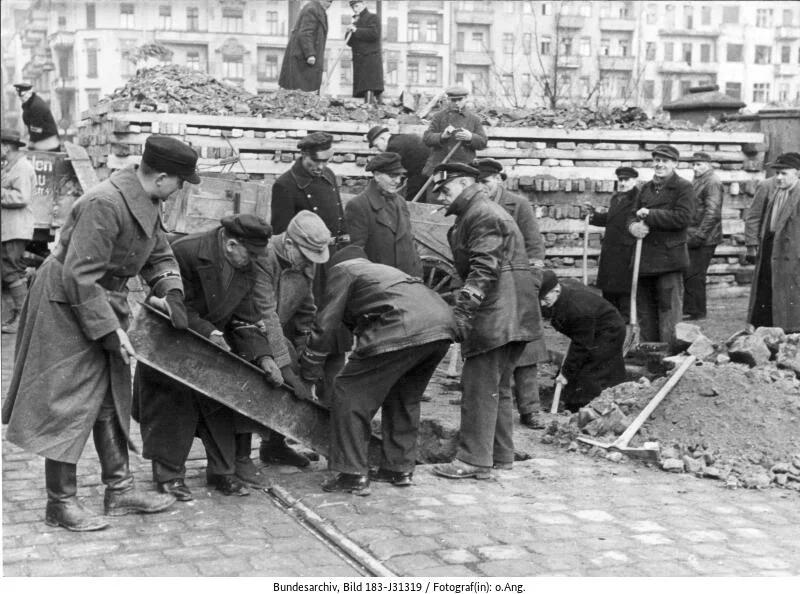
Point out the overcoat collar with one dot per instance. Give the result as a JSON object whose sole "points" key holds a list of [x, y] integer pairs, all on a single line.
{"points": [[462, 203], [146, 212], [220, 299], [378, 202], [303, 178]]}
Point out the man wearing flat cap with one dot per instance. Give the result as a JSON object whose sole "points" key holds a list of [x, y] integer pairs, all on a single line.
{"points": [[452, 125], [496, 314], [17, 220], [378, 218], [219, 277], [285, 295], [38, 120], [772, 234], [526, 384], [705, 232], [311, 185], [662, 215], [364, 38], [72, 370], [304, 60], [413, 155]]}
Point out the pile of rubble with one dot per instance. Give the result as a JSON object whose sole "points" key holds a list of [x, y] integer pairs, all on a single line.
{"points": [[734, 416]]}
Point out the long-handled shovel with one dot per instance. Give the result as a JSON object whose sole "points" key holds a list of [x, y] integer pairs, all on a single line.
{"points": [[632, 331], [586, 250], [559, 386], [336, 62], [447, 157]]}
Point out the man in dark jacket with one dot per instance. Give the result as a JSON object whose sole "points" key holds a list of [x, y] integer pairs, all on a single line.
{"points": [[526, 383], [378, 218], [364, 37], [455, 123], [615, 273], [311, 185], [219, 277], [72, 373], [663, 212], [38, 119], [304, 59], [496, 314], [705, 232], [413, 154], [403, 331], [596, 332]]}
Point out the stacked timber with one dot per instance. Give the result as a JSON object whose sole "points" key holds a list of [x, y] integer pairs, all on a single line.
{"points": [[557, 169]]}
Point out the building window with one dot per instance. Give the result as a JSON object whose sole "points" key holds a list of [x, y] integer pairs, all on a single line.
{"points": [[165, 17], [392, 68], [565, 84], [787, 17], [623, 84], [527, 87], [685, 86], [760, 92], [477, 40], [193, 60], [127, 48], [783, 92], [272, 22], [431, 73], [508, 43], [547, 9], [625, 11], [91, 58], [267, 66], [734, 52], [730, 15], [624, 47], [413, 31], [460, 41], [688, 17], [605, 10], [764, 17], [507, 82], [651, 16], [233, 67], [762, 55], [545, 46], [92, 97], [686, 53], [669, 51], [508, 7], [433, 32], [233, 22], [90, 16], [391, 29], [192, 18], [705, 15], [649, 89], [413, 72], [586, 46], [786, 54], [527, 39], [566, 46], [734, 90], [126, 16], [650, 50], [669, 16], [705, 53], [605, 47], [666, 90], [346, 74]]}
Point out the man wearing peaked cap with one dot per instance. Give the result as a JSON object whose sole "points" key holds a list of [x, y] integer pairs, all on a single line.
{"points": [[772, 234], [311, 185], [454, 125], [38, 120], [663, 212], [526, 384], [379, 219], [495, 317], [111, 233], [705, 232], [413, 154]]}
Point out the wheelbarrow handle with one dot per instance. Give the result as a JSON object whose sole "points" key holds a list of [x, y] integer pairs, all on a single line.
{"points": [[424, 188]]}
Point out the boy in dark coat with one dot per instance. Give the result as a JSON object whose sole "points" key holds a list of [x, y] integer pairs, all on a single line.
{"points": [[365, 41], [596, 331], [413, 154], [304, 59]]}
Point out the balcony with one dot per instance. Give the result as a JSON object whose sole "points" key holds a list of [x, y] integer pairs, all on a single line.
{"points": [[624, 63], [38, 21], [617, 25], [477, 17], [62, 40], [706, 33], [787, 69], [474, 58], [571, 21], [685, 68], [569, 62], [425, 6], [182, 37], [65, 84], [787, 33], [31, 38]]}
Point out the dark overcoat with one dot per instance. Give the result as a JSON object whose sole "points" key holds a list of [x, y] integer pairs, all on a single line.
{"points": [[784, 292], [382, 226], [213, 302], [671, 205], [597, 332], [489, 255], [706, 226], [450, 116], [38, 118], [367, 59], [413, 155], [62, 373], [615, 272], [307, 39]]}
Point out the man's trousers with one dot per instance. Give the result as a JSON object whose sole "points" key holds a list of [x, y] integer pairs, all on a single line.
{"points": [[660, 303], [694, 281]]}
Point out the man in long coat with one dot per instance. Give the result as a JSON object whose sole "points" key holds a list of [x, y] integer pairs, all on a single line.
{"points": [[526, 381], [304, 59], [403, 331], [496, 314], [663, 212], [72, 371], [413, 155], [365, 40], [596, 332], [378, 218], [772, 232]]}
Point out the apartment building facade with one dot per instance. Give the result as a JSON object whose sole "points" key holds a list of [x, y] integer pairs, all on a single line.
{"points": [[512, 53]]}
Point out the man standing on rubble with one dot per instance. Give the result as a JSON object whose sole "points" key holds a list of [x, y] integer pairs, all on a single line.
{"points": [[403, 331], [705, 232], [364, 37], [413, 154], [378, 218], [38, 119], [663, 212], [72, 370], [496, 314], [304, 59], [526, 383], [772, 233], [311, 185]]}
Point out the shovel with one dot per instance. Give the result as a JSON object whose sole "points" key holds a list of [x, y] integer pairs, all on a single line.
{"points": [[559, 386], [632, 331], [621, 443], [586, 250], [447, 157]]}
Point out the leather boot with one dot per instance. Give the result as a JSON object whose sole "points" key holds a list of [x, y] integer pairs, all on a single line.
{"points": [[246, 471], [277, 451], [18, 294], [121, 497], [63, 507]]}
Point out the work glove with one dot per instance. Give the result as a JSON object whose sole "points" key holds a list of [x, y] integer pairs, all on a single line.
{"points": [[751, 255], [696, 242], [312, 365], [300, 389], [219, 339], [272, 373], [638, 229], [311, 60], [463, 135], [117, 343], [560, 379], [448, 132]]}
